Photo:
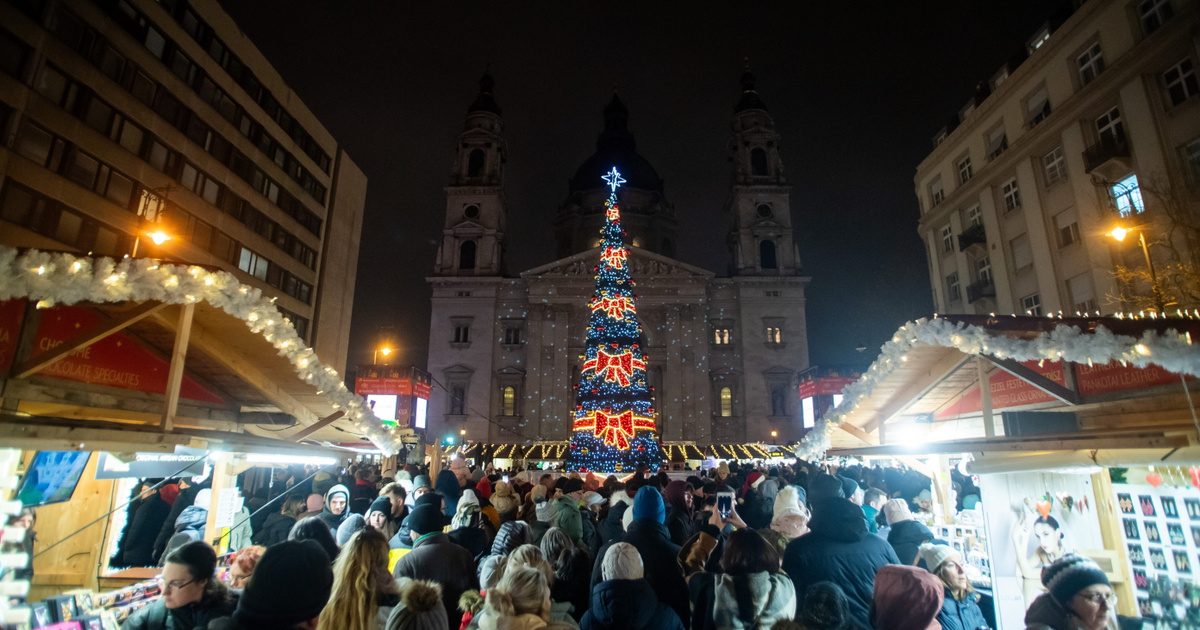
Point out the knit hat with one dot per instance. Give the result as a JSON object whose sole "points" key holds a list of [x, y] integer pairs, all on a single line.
{"points": [[292, 583], [622, 562], [752, 481], [573, 484], [896, 511], [648, 505], [789, 518], [430, 498], [934, 555], [674, 493], [503, 498], [593, 498], [420, 607], [421, 481], [824, 486], [723, 470], [1070, 574], [849, 486], [381, 504], [484, 488], [204, 498], [349, 527], [425, 519], [906, 598], [169, 493]]}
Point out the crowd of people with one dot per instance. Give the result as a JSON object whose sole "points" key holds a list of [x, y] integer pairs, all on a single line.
{"points": [[739, 547]]}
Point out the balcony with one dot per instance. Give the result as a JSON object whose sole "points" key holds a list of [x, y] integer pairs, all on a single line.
{"points": [[973, 235], [1109, 151], [980, 289]]}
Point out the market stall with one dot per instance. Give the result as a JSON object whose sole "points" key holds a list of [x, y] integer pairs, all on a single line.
{"points": [[1070, 410]]}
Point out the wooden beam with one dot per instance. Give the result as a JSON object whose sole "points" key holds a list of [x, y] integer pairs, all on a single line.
{"points": [[985, 397], [219, 350], [35, 433], [1072, 442], [79, 342], [317, 426], [859, 433], [183, 330], [916, 389], [1046, 385]]}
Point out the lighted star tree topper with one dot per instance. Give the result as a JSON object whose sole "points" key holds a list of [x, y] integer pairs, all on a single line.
{"points": [[614, 427]]}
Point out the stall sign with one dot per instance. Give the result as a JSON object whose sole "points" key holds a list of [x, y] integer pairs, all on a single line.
{"points": [[151, 465], [825, 386], [118, 360], [1009, 391], [11, 313]]}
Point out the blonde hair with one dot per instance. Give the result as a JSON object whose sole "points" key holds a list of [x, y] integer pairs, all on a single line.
{"points": [[359, 573], [523, 590], [530, 556]]}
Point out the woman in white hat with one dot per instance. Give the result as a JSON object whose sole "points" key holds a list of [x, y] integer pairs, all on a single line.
{"points": [[960, 607]]}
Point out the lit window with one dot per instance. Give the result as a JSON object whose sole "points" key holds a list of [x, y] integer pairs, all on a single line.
{"points": [[964, 170], [1153, 13], [1091, 63], [774, 335], [508, 396], [721, 336], [1032, 305], [953, 291], [947, 239], [726, 397], [1041, 37], [1128, 196], [1054, 166], [1012, 195], [808, 411], [1181, 82]]}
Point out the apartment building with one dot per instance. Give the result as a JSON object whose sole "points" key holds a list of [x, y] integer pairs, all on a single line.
{"points": [[1095, 124], [128, 120]]}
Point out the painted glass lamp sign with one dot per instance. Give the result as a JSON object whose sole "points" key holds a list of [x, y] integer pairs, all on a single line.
{"points": [[614, 427]]}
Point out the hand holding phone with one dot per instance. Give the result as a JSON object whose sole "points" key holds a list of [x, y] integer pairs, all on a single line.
{"points": [[724, 504]]}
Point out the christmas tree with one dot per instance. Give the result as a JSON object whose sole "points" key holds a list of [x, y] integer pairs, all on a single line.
{"points": [[614, 427]]}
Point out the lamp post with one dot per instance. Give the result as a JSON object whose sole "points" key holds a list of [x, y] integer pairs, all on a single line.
{"points": [[774, 434], [1118, 234], [385, 350]]}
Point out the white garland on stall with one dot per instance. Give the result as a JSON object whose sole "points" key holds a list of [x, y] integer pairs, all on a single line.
{"points": [[1172, 351], [61, 278]]}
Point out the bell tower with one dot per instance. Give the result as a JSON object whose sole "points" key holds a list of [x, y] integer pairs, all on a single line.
{"points": [[473, 232], [761, 240]]}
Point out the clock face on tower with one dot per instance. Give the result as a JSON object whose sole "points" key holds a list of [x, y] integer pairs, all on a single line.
{"points": [[764, 210]]}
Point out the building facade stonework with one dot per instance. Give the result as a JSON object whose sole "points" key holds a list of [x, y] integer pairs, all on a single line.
{"points": [[723, 352]]}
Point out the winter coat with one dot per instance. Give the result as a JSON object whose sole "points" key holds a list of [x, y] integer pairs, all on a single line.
{"points": [[681, 525], [573, 581], [275, 529], [840, 550], [591, 535], [186, 498], [435, 558], [192, 519], [568, 519], [1047, 614], [660, 559], [330, 519], [961, 615], [906, 538], [757, 511], [560, 616], [752, 601], [610, 528], [628, 605], [537, 530], [142, 531], [157, 616], [472, 538]]}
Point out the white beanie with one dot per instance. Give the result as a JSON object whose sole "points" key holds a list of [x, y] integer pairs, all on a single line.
{"points": [[935, 555], [787, 503], [896, 511], [622, 562]]}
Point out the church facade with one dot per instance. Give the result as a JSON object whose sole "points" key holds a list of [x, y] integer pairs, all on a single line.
{"points": [[724, 351]]}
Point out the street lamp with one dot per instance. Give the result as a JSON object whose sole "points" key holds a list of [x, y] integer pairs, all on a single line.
{"points": [[774, 434], [385, 350], [1118, 234], [158, 237], [462, 435]]}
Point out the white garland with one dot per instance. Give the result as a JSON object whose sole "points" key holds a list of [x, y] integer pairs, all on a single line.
{"points": [[1172, 351], [60, 278]]}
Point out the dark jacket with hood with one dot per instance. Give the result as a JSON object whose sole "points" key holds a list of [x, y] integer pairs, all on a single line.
{"points": [[186, 499], [611, 528], [142, 531], [660, 557], [839, 550], [906, 538], [329, 518], [628, 605], [275, 529], [435, 558], [447, 486]]}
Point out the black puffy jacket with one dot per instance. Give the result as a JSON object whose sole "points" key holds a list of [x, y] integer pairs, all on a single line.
{"points": [[612, 527], [660, 557], [839, 550], [274, 530], [906, 538], [628, 605]]}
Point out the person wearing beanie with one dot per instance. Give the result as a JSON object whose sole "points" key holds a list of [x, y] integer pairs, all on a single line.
{"points": [[824, 486], [660, 557], [625, 600], [337, 501], [434, 557], [906, 598], [1078, 596], [566, 515], [420, 607], [314, 529], [789, 519], [379, 516], [403, 537], [349, 527], [850, 490], [679, 521], [824, 607], [192, 595], [838, 549], [612, 526], [449, 486], [469, 528], [905, 533], [505, 501], [960, 605], [544, 511], [275, 599], [752, 505]]}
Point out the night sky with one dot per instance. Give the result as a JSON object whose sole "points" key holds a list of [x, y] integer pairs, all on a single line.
{"points": [[857, 91]]}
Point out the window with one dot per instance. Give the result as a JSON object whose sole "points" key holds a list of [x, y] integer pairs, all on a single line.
{"points": [[1038, 106], [1109, 128], [253, 264], [1039, 38], [764, 210], [512, 335], [974, 216], [964, 170], [1011, 194], [758, 162], [462, 333], [1032, 305], [775, 335], [1080, 289], [471, 211], [150, 206], [983, 269], [1153, 13], [1181, 81], [466, 255], [1128, 196], [952, 289], [766, 255], [508, 400], [1091, 63], [947, 239], [1191, 157], [1067, 228], [81, 168], [462, 294], [1022, 253], [772, 293], [725, 396], [458, 396], [936, 193], [1054, 166], [722, 336], [13, 53], [475, 162], [34, 143], [778, 399], [997, 142]]}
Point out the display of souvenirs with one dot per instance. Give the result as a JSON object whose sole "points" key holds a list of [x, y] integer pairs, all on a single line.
{"points": [[86, 610], [970, 540], [1161, 525]]}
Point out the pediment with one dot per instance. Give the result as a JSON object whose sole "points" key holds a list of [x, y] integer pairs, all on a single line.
{"points": [[642, 264]]}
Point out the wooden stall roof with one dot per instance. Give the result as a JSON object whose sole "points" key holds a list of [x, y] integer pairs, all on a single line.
{"points": [[932, 378], [673, 451]]}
